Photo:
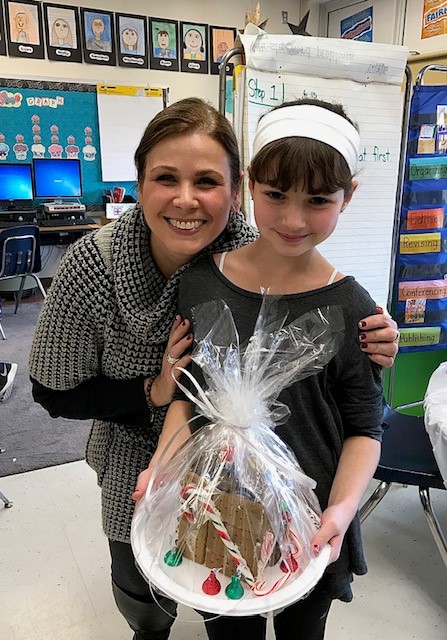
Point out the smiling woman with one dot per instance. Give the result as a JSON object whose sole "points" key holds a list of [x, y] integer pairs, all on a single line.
{"points": [[108, 335], [185, 196]]}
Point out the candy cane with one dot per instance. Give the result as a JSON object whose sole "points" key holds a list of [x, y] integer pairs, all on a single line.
{"points": [[190, 491], [186, 491], [260, 588], [267, 547]]}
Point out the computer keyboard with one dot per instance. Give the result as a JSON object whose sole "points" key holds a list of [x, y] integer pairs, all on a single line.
{"points": [[5, 224], [66, 222]]}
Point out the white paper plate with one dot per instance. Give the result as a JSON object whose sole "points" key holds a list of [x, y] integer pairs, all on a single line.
{"points": [[184, 583]]}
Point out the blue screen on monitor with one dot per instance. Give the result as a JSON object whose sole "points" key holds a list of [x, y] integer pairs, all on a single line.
{"points": [[16, 182], [57, 178]]}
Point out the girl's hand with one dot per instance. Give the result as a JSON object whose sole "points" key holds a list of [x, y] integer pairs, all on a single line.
{"points": [[334, 524], [145, 475], [174, 434], [180, 339], [379, 338], [142, 484]]}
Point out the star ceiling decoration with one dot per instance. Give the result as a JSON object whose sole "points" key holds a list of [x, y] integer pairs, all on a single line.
{"points": [[300, 29]]}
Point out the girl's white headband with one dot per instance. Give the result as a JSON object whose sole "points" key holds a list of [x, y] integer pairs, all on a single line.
{"points": [[310, 121]]}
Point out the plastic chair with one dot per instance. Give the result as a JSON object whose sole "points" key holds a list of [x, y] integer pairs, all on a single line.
{"points": [[407, 458], [20, 257], [8, 503]]}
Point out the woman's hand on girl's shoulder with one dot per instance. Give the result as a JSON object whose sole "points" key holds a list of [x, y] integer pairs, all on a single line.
{"points": [[379, 338], [180, 340]]}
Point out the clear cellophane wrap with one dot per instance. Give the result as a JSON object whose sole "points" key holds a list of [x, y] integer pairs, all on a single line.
{"points": [[233, 500]]}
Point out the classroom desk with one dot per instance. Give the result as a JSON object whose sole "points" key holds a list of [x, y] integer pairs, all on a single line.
{"points": [[45, 232], [435, 412], [53, 243], [64, 235]]}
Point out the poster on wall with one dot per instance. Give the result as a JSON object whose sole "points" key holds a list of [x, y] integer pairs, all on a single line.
{"points": [[63, 34], [194, 47], [163, 44], [359, 26], [24, 29], [2, 32], [221, 41], [98, 34], [434, 18], [131, 38]]}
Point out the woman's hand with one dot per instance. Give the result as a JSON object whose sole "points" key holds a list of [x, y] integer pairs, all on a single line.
{"points": [[180, 339], [379, 338]]}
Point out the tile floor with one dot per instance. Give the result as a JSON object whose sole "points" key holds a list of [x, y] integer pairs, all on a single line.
{"points": [[54, 568]]}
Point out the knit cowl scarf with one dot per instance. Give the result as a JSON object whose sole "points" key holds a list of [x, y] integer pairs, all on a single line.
{"points": [[147, 301]]}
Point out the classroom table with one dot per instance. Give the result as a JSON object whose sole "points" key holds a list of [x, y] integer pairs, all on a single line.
{"points": [[54, 241], [63, 235], [435, 412]]}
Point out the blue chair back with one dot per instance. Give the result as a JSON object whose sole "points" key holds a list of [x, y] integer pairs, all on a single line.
{"points": [[19, 251], [407, 454], [407, 458]]}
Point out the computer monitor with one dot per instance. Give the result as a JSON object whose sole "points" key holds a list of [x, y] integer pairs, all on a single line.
{"points": [[56, 178], [16, 186]]}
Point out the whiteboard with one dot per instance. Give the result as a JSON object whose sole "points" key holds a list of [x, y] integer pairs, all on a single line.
{"points": [[366, 79], [124, 113]]}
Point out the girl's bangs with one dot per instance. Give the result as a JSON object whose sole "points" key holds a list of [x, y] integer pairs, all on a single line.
{"points": [[291, 163]]}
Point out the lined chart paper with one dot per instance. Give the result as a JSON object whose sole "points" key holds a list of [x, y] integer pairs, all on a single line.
{"points": [[124, 112], [366, 79]]}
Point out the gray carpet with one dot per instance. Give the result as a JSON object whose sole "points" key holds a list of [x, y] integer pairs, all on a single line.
{"points": [[30, 437]]}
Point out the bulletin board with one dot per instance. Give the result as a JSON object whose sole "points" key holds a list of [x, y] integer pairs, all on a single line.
{"points": [[366, 79], [40, 119], [421, 263]]}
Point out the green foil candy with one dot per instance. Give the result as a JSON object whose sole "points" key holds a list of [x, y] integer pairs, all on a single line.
{"points": [[234, 590], [173, 558]]}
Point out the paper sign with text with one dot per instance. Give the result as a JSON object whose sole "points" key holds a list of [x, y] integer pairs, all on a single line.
{"points": [[428, 289], [420, 243], [425, 219]]}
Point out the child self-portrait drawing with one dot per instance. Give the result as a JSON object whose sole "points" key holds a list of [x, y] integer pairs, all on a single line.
{"points": [[301, 178]]}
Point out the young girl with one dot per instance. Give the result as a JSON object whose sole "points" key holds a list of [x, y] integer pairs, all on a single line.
{"points": [[301, 179]]}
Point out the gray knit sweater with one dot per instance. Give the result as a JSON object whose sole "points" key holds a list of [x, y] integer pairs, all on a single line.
{"points": [[108, 313]]}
